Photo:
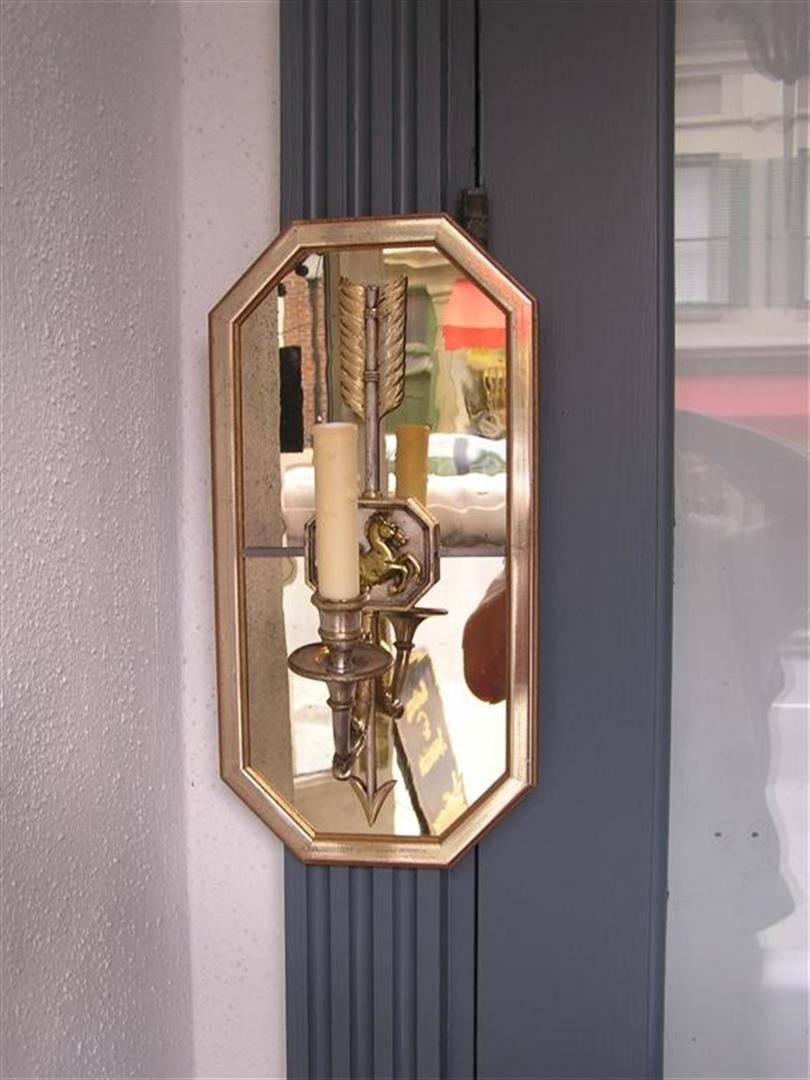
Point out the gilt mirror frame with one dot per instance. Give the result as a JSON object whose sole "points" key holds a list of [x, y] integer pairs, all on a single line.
{"points": [[300, 239]]}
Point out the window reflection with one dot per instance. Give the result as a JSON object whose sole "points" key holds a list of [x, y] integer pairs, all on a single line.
{"points": [[737, 951]]}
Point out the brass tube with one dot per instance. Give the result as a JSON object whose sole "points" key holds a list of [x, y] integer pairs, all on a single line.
{"points": [[371, 395]]}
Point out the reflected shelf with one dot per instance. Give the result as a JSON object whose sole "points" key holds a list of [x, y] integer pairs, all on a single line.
{"points": [[483, 551]]}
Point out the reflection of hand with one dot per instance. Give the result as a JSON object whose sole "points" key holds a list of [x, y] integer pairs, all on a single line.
{"points": [[484, 645]]}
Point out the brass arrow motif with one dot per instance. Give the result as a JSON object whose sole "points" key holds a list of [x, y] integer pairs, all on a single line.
{"points": [[371, 801], [391, 310]]}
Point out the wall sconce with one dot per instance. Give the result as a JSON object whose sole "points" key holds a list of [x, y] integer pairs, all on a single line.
{"points": [[418, 728], [359, 598]]}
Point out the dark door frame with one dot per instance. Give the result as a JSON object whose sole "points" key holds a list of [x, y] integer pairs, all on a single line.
{"points": [[542, 953]]}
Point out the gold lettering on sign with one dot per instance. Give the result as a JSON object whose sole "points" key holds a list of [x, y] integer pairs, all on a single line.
{"points": [[433, 776], [436, 750], [454, 804], [416, 701]]}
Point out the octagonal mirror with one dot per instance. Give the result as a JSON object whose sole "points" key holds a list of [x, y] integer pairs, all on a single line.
{"points": [[393, 722]]}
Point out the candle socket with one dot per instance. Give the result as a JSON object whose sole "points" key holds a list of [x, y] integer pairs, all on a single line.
{"points": [[342, 661], [404, 625], [341, 623]]}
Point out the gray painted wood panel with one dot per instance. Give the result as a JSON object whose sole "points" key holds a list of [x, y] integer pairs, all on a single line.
{"points": [[378, 117], [380, 971], [378, 106], [577, 156], [549, 940]]}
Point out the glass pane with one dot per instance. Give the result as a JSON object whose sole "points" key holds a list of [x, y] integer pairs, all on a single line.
{"points": [[445, 752], [448, 746], [455, 384], [737, 949]]}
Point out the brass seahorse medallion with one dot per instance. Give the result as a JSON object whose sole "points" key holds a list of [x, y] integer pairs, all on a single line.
{"points": [[385, 561]]}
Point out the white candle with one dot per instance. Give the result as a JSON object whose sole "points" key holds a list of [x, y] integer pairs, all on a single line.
{"points": [[337, 556]]}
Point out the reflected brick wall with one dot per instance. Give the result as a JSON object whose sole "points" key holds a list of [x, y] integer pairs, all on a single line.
{"points": [[300, 294]]}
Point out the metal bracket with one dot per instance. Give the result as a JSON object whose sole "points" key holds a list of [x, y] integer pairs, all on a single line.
{"points": [[473, 214]]}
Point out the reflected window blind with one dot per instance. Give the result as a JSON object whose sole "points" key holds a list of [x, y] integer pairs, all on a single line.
{"points": [[711, 231], [788, 245]]}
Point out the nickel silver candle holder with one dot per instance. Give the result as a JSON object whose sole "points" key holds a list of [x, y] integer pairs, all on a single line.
{"points": [[399, 555]]}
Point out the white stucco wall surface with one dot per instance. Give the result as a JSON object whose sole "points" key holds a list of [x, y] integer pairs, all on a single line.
{"points": [[230, 213], [141, 903], [95, 935]]}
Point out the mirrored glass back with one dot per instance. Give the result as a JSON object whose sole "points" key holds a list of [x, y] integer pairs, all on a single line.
{"points": [[449, 745]]}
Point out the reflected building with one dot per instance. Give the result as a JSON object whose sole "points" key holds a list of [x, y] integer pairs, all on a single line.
{"points": [[737, 949]]}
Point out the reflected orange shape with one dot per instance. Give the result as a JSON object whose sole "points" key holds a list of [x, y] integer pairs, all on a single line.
{"points": [[472, 320]]}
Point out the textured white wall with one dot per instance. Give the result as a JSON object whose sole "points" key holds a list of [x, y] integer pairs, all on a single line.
{"points": [[95, 936], [141, 910], [230, 209]]}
